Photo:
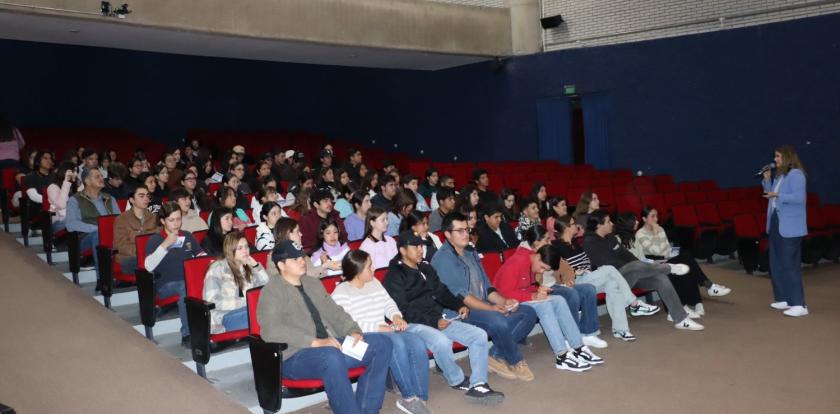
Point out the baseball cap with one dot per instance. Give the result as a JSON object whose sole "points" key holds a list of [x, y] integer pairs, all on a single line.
{"points": [[290, 153], [409, 238], [239, 150], [286, 249]]}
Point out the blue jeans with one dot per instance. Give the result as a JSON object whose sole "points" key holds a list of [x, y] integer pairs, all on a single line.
{"points": [[128, 265], [583, 303], [440, 343], [331, 365], [58, 226], [409, 364], [505, 330], [557, 323], [236, 319], [89, 242], [165, 290], [785, 270]]}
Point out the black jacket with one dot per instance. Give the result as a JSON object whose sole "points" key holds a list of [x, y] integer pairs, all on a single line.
{"points": [[603, 251], [419, 293], [489, 241]]}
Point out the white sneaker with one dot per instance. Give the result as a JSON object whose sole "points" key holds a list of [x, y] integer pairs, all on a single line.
{"points": [[779, 305], [718, 290], [796, 311], [699, 309], [689, 325], [691, 313], [679, 269], [594, 341]]}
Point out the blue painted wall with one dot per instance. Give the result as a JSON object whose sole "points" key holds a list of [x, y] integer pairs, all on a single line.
{"points": [[705, 106]]}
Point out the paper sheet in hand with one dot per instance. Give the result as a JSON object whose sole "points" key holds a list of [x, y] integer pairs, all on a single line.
{"points": [[357, 352]]}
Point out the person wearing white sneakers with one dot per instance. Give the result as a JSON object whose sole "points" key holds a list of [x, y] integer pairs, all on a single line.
{"points": [[604, 249], [655, 245], [786, 225]]}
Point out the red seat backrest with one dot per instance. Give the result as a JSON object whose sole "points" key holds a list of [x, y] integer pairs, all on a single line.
{"points": [[816, 220], [252, 296], [9, 183], [728, 209], [330, 282], [628, 202], [105, 224], [380, 273], [508, 253], [263, 257], [491, 262], [140, 245], [45, 201], [672, 199], [122, 203], [707, 213], [213, 187], [204, 214], [194, 272], [251, 235], [685, 215], [355, 244], [656, 201], [695, 197], [200, 235], [746, 226], [832, 214]]}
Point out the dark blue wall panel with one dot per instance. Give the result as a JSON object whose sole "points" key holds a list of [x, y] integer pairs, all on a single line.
{"points": [[705, 106]]}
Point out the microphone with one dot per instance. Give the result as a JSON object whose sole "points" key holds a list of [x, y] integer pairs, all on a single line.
{"points": [[765, 169]]}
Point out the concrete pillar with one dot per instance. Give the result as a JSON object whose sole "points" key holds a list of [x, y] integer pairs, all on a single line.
{"points": [[526, 32]]}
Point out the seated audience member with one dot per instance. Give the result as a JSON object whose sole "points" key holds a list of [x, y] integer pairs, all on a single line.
{"points": [[265, 195], [603, 248], [606, 279], [529, 217], [366, 301], [84, 209], [654, 244], [325, 159], [422, 299], [226, 282], [472, 223], [226, 197], [237, 169], [381, 247], [296, 311], [198, 196], [588, 204], [138, 220], [322, 209], [161, 174], [190, 220], [370, 183], [342, 203], [63, 187], [354, 224], [329, 250], [37, 181], [132, 180], [387, 193], [353, 164], [581, 298], [686, 286], [233, 182], [156, 199], [494, 234], [288, 229], [269, 214], [539, 193], [418, 223], [516, 279], [304, 182], [468, 197], [221, 223], [446, 198], [556, 208], [430, 186], [263, 173], [165, 255], [409, 182], [170, 160], [507, 203], [460, 270], [89, 159], [403, 205], [486, 196], [114, 185], [326, 181]]}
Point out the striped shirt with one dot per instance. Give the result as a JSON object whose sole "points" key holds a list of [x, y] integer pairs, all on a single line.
{"points": [[576, 257], [368, 306]]}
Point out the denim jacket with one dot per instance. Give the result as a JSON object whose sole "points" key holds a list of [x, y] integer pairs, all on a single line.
{"points": [[455, 274]]}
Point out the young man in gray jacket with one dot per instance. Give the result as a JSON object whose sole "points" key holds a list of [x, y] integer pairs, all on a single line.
{"points": [[297, 311]]}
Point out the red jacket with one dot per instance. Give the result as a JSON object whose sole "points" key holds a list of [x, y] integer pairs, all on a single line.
{"points": [[514, 279], [310, 223]]}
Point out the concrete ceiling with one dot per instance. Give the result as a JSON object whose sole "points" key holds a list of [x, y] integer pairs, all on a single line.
{"points": [[118, 35]]}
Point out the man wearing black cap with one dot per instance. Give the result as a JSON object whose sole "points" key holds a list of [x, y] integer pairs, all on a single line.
{"points": [[321, 202], [435, 314], [298, 312], [325, 158]]}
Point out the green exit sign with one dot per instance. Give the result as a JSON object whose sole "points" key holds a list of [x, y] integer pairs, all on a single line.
{"points": [[569, 89]]}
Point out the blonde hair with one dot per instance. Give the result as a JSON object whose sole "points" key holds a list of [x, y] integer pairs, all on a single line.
{"points": [[229, 254], [582, 206], [790, 160]]}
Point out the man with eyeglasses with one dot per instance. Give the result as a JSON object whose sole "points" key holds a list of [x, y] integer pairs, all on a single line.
{"points": [[138, 220], [505, 321]]}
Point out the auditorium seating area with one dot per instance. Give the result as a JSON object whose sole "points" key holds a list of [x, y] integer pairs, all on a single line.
{"points": [[714, 224]]}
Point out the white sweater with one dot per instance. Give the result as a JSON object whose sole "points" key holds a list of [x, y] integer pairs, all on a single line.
{"points": [[368, 306]]}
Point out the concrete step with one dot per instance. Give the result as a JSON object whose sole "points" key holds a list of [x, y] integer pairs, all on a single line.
{"points": [[119, 299], [223, 360], [161, 327], [85, 276], [58, 257], [33, 240], [13, 227]]}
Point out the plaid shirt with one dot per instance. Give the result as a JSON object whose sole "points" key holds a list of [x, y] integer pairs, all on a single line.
{"points": [[220, 288]]}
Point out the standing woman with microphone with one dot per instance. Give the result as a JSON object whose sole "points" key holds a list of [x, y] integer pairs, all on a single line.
{"points": [[786, 225]]}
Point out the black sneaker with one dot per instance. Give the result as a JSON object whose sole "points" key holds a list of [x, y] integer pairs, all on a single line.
{"points": [[483, 394], [568, 362], [463, 386]]}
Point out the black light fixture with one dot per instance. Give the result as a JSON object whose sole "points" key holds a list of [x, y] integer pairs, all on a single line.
{"points": [[105, 8], [551, 22]]}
